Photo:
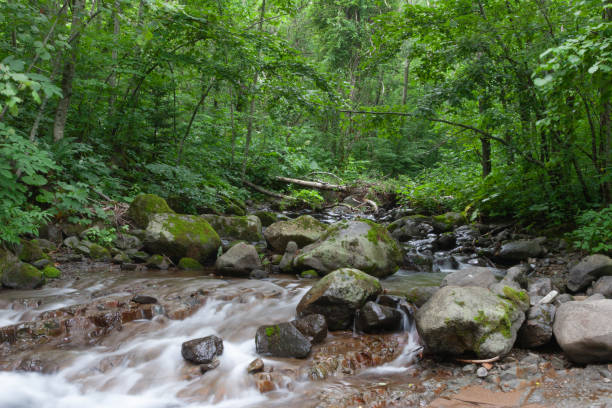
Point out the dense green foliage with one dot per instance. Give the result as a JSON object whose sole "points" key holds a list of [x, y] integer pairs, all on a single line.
{"points": [[496, 108]]}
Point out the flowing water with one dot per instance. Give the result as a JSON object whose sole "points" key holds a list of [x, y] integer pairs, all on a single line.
{"points": [[141, 365]]}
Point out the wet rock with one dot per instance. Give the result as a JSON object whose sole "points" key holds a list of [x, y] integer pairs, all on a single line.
{"points": [[309, 274], [473, 276], [313, 327], [303, 230], [255, 366], [419, 295], [603, 286], [537, 329], [482, 372], [338, 295], [418, 259], [258, 274], [288, 256], [126, 241], [448, 221], [51, 272], [282, 340], [99, 253], [121, 258], [241, 259], [267, 218], [189, 264], [460, 319], [245, 228], [129, 266], [158, 262], [18, 275], [443, 262], [411, 227], [146, 206], [445, 241], [590, 268], [30, 251], [204, 368], [466, 236], [584, 330], [375, 318], [144, 300], [41, 263], [520, 250], [178, 236], [362, 245], [203, 350]]}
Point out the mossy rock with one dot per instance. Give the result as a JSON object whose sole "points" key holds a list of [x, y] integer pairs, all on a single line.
{"points": [[189, 264], [99, 253], [448, 221], [267, 218], [51, 272], [309, 274], [22, 276], [360, 244], [146, 205], [246, 228], [303, 230], [234, 206], [178, 236], [30, 251]]}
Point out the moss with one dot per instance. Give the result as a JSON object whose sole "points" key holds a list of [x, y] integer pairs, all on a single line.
{"points": [[51, 272], [145, 205], [516, 296], [30, 251], [189, 264], [23, 276], [267, 218], [460, 303], [98, 252], [272, 330], [309, 274]]}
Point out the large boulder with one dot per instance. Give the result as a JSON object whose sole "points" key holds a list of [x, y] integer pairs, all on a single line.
{"points": [[584, 330], [247, 228], [178, 236], [411, 227], [361, 244], [374, 318], [18, 275], [30, 251], [146, 205], [456, 320], [302, 230], [516, 251], [282, 340], [338, 295], [472, 276], [537, 329], [603, 286], [313, 326], [203, 350], [240, 259], [587, 270]]}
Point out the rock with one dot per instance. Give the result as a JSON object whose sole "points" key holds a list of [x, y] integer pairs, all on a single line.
{"points": [[590, 268], [375, 318], [178, 236], [203, 350], [145, 206], [189, 264], [18, 275], [247, 228], [313, 327], [473, 276], [603, 286], [41, 263], [309, 274], [72, 242], [70, 229], [563, 298], [584, 330], [158, 262], [303, 230], [51, 232], [204, 368], [258, 274], [461, 319], [129, 266], [516, 251], [138, 256], [126, 241], [419, 295], [282, 340], [99, 253], [411, 227], [517, 274], [482, 372], [51, 272], [361, 244], [267, 218], [448, 221], [255, 366], [445, 241], [539, 288], [241, 259], [537, 329], [338, 295], [144, 300], [30, 251], [289, 255]]}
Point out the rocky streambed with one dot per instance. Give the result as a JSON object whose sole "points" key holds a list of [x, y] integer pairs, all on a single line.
{"points": [[475, 316]]}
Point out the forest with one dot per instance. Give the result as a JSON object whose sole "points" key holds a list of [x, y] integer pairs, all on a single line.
{"points": [[498, 109]]}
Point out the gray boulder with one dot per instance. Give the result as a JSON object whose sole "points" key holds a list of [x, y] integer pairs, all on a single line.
{"points": [[313, 326], [203, 350], [361, 244], [537, 329], [18, 275], [246, 228], [473, 276], [375, 318], [126, 241], [603, 286], [144, 207], [456, 320], [178, 236], [584, 330], [282, 340], [302, 230], [520, 250], [338, 295], [411, 227], [590, 268], [288, 256], [240, 259]]}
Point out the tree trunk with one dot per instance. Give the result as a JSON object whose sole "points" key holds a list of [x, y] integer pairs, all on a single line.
{"points": [[485, 143], [112, 82]]}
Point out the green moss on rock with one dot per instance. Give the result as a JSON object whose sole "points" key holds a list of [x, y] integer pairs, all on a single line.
{"points": [[30, 251], [51, 272], [146, 205], [309, 274], [190, 264], [22, 276], [99, 253]]}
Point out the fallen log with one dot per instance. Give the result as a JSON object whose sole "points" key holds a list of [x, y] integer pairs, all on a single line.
{"points": [[313, 184], [268, 192]]}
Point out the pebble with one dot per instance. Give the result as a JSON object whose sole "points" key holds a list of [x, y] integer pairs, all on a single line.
{"points": [[482, 372], [144, 300]]}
